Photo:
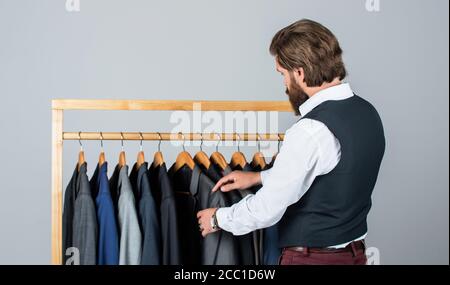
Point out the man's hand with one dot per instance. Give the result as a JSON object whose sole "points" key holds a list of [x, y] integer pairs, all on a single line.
{"points": [[204, 221], [237, 180]]}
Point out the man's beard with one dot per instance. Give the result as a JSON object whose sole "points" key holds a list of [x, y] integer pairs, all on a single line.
{"points": [[297, 97]]}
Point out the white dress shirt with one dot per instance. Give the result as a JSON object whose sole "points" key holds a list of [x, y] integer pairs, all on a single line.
{"points": [[309, 149]]}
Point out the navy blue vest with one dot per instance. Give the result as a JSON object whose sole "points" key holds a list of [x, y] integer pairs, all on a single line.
{"points": [[334, 209]]}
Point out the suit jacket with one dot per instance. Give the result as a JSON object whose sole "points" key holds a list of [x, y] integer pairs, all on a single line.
{"points": [[166, 204], [219, 248], [247, 244], [269, 247], [186, 204], [108, 240], [252, 242], [85, 230], [114, 186], [130, 244], [67, 221], [148, 216]]}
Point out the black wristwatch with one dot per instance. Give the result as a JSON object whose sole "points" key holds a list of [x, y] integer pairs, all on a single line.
{"points": [[214, 223]]}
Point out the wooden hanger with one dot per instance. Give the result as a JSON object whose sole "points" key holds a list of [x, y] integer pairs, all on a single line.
{"points": [[238, 158], [101, 157], [184, 158], [122, 158], [81, 159], [158, 159], [140, 157], [217, 158], [201, 158], [258, 158]]}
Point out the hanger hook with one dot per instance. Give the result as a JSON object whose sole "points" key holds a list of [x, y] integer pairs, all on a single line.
{"points": [[121, 139], [239, 142], [279, 142], [142, 138], [101, 140], [259, 142], [79, 141], [218, 142], [184, 139], [201, 141], [159, 143]]}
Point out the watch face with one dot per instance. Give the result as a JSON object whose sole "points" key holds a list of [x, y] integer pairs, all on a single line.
{"points": [[214, 222]]}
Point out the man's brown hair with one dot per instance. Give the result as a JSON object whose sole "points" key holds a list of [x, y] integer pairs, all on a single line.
{"points": [[313, 47]]}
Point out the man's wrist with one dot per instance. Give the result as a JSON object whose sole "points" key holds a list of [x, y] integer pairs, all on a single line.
{"points": [[258, 179], [214, 222]]}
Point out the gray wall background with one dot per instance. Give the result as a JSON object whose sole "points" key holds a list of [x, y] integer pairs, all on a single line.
{"points": [[218, 50]]}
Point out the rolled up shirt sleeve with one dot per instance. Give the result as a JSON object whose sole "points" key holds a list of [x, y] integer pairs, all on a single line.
{"points": [[263, 175]]}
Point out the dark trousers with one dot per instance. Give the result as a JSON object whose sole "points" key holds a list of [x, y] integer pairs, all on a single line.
{"points": [[353, 254]]}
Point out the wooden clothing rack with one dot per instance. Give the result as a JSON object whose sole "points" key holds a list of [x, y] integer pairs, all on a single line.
{"points": [[59, 135]]}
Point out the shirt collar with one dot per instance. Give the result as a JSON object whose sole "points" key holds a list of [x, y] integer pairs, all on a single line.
{"points": [[338, 92]]}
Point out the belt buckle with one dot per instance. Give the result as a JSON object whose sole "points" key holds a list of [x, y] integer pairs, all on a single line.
{"points": [[300, 249]]}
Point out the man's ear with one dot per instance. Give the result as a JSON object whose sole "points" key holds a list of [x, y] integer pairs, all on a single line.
{"points": [[299, 76]]}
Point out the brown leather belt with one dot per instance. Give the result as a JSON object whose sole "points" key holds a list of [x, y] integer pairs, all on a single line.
{"points": [[352, 247]]}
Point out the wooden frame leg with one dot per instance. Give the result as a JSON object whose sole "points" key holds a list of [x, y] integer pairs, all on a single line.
{"points": [[56, 215]]}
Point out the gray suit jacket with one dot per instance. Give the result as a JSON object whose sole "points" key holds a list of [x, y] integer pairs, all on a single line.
{"points": [[147, 215], [130, 233], [249, 250], [85, 230], [219, 248]]}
